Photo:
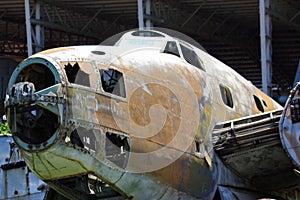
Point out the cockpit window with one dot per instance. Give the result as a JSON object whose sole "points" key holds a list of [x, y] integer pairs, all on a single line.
{"points": [[146, 34], [113, 82], [171, 48], [191, 57]]}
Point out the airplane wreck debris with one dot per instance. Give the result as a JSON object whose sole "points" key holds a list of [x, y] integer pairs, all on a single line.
{"points": [[150, 117]]}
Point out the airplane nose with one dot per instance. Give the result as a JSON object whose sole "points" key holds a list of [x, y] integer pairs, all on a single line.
{"points": [[33, 124], [34, 103]]}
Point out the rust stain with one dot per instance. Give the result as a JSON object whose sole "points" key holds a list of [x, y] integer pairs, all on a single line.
{"points": [[168, 104]]}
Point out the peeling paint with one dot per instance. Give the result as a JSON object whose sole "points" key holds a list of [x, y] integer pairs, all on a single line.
{"points": [[154, 142]]}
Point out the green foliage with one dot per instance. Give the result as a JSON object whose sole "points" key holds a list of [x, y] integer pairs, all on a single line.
{"points": [[4, 129]]}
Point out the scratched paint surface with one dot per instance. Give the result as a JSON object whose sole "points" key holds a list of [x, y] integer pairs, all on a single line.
{"points": [[139, 106]]}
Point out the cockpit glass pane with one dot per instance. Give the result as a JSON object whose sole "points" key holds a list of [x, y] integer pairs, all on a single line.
{"points": [[191, 57], [146, 34], [171, 48]]}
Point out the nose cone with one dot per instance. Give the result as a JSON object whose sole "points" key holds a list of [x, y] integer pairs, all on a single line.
{"points": [[34, 103]]}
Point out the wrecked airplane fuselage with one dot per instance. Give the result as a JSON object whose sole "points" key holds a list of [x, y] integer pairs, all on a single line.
{"points": [[133, 120]]}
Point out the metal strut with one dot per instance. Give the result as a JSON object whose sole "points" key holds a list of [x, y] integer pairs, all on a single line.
{"points": [[251, 147], [247, 133]]}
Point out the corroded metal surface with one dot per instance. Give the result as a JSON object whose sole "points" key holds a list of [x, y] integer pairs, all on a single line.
{"points": [[132, 120], [251, 147]]}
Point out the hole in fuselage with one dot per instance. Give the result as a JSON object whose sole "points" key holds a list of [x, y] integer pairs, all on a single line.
{"points": [[38, 74], [117, 149], [32, 123], [35, 125], [71, 71]]}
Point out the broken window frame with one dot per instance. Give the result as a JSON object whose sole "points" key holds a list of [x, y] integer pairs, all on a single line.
{"points": [[81, 68], [71, 71], [226, 95], [117, 148], [119, 82]]}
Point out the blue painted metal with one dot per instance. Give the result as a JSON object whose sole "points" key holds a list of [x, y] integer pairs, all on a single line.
{"points": [[16, 180]]}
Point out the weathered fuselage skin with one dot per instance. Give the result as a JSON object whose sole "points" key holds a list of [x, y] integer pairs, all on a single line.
{"points": [[164, 113]]}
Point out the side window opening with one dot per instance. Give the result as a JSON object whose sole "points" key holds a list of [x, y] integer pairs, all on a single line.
{"points": [[113, 82], [81, 73], [71, 71], [265, 104], [258, 104], [226, 96], [117, 149], [171, 48], [191, 57]]}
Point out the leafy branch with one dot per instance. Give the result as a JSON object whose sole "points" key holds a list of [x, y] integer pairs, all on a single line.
{"points": [[4, 129]]}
